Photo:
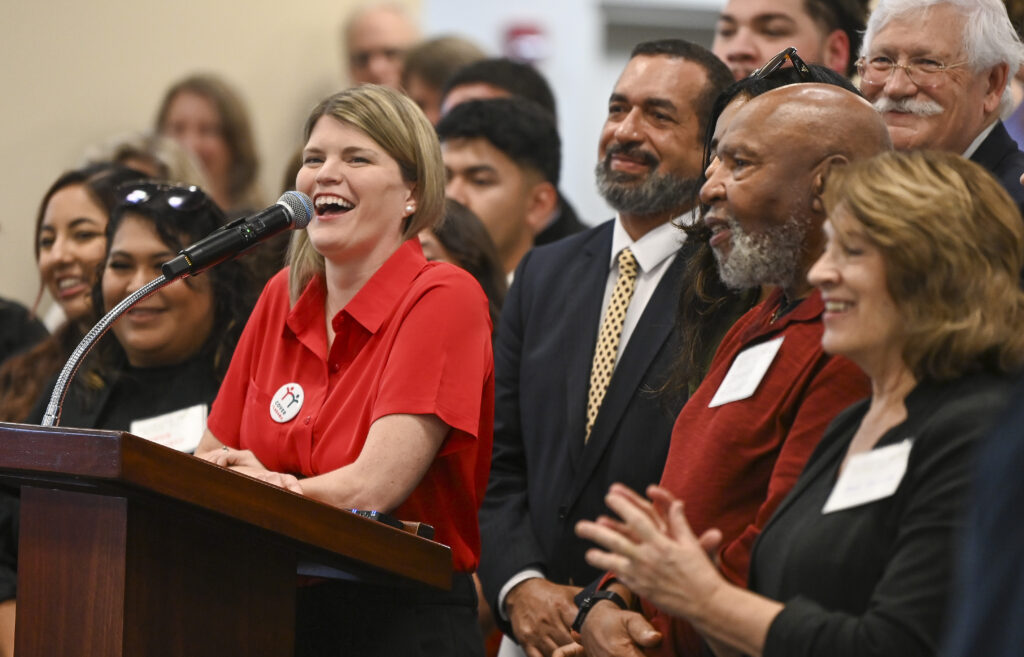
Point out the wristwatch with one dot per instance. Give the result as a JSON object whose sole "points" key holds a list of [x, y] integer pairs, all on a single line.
{"points": [[586, 600]]}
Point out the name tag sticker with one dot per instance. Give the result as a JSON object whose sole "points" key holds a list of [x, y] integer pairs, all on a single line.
{"points": [[180, 430], [746, 372], [869, 476]]}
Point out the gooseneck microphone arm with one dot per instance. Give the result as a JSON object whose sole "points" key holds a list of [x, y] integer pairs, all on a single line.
{"points": [[60, 390], [292, 210]]}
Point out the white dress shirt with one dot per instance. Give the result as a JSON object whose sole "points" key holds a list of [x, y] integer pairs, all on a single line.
{"points": [[982, 136]]}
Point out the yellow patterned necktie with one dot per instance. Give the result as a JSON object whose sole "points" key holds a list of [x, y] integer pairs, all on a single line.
{"points": [[609, 336]]}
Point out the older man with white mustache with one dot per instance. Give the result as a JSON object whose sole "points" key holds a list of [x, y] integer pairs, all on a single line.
{"points": [[937, 71]]}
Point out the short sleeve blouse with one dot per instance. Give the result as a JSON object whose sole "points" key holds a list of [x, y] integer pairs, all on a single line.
{"points": [[415, 339]]}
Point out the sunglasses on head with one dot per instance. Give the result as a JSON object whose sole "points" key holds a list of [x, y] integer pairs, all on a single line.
{"points": [[777, 62], [152, 194]]}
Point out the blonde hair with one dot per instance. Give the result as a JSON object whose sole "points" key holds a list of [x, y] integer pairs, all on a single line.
{"points": [[401, 129], [163, 158], [952, 241]]}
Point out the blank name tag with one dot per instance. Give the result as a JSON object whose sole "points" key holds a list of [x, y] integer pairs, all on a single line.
{"points": [[180, 430], [869, 476], [748, 368]]}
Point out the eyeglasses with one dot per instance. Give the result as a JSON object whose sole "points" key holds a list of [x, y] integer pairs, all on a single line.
{"points": [[184, 199], [923, 72], [776, 62]]}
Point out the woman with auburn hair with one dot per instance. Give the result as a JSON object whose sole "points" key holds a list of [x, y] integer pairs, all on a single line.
{"points": [[365, 377], [208, 117], [920, 280]]}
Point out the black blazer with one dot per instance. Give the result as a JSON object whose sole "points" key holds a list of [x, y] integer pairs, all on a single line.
{"points": [[1000, 154], [543, 480], [876, 578]]}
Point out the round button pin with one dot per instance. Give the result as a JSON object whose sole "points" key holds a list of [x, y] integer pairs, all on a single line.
{"points": [[286, 402]]}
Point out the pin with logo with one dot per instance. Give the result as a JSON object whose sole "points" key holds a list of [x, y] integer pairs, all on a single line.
{"points": [[286, 402]]}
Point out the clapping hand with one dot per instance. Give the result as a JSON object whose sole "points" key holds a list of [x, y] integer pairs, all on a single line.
{"points": [[653, 550]]}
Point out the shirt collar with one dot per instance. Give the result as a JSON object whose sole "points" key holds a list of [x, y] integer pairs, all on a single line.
{"points": [[375, 300], [809, 309], [980, 138], [653, 247], [305, 319]]}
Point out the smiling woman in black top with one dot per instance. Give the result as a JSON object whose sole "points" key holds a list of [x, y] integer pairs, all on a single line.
{"points": [[919, 279], [172, 348]]}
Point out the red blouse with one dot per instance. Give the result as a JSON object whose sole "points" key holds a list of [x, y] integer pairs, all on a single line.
{"points": [[415, 339]]}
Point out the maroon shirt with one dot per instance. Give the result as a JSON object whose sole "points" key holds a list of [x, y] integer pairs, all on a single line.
{"points": [[733, 464]]}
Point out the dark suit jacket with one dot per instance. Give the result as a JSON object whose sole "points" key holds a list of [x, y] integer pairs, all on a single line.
{"points": [[1000, 154], [543, 479], [564, 225], [989, 601]]}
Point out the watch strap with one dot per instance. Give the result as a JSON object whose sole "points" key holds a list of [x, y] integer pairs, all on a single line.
{"points": [[586, 600]]}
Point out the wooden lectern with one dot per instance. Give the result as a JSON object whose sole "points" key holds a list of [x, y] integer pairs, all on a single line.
{"points": [[131, 548]]}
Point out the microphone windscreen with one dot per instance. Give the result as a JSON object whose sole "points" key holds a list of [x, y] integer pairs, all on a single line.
{"points": [[301, 208]]}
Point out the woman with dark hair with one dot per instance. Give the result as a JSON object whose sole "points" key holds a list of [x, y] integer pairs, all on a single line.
{"points": [[208, 117], [70, 243], [170, 351], [173, 347], [462, 240], [365, 376]]}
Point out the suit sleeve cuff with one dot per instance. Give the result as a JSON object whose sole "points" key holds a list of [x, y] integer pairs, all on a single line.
{"points": [[521, 576]]}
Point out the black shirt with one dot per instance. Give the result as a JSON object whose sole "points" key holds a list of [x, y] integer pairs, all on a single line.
{"points": [[135, 393]]}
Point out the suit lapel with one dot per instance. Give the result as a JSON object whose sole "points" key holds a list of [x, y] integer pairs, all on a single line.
{"points": [[653, 330], [994, 149], [583, 313], [922, 402]]}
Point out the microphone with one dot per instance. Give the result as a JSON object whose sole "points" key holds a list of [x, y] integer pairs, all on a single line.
{"points": [[292, 210]]}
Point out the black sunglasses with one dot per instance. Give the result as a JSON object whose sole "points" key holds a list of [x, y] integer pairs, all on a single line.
{"points": [[143, 194], [776, 62]]}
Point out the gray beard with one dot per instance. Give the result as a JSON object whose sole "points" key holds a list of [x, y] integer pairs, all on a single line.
{"points": [[769, 258], [655, 194]]}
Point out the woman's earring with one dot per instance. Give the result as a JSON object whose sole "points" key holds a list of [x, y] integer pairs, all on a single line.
{"points": [[409, 208]]}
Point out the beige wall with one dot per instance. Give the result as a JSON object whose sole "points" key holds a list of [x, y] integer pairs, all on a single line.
{"points": [[73, 74]]}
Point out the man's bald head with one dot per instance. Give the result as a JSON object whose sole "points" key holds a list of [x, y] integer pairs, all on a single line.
{"points": [[763, 193], [827, 121]]}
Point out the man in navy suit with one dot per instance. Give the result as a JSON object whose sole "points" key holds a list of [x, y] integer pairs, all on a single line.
{"points": [[549, 468], [937, 70]]}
